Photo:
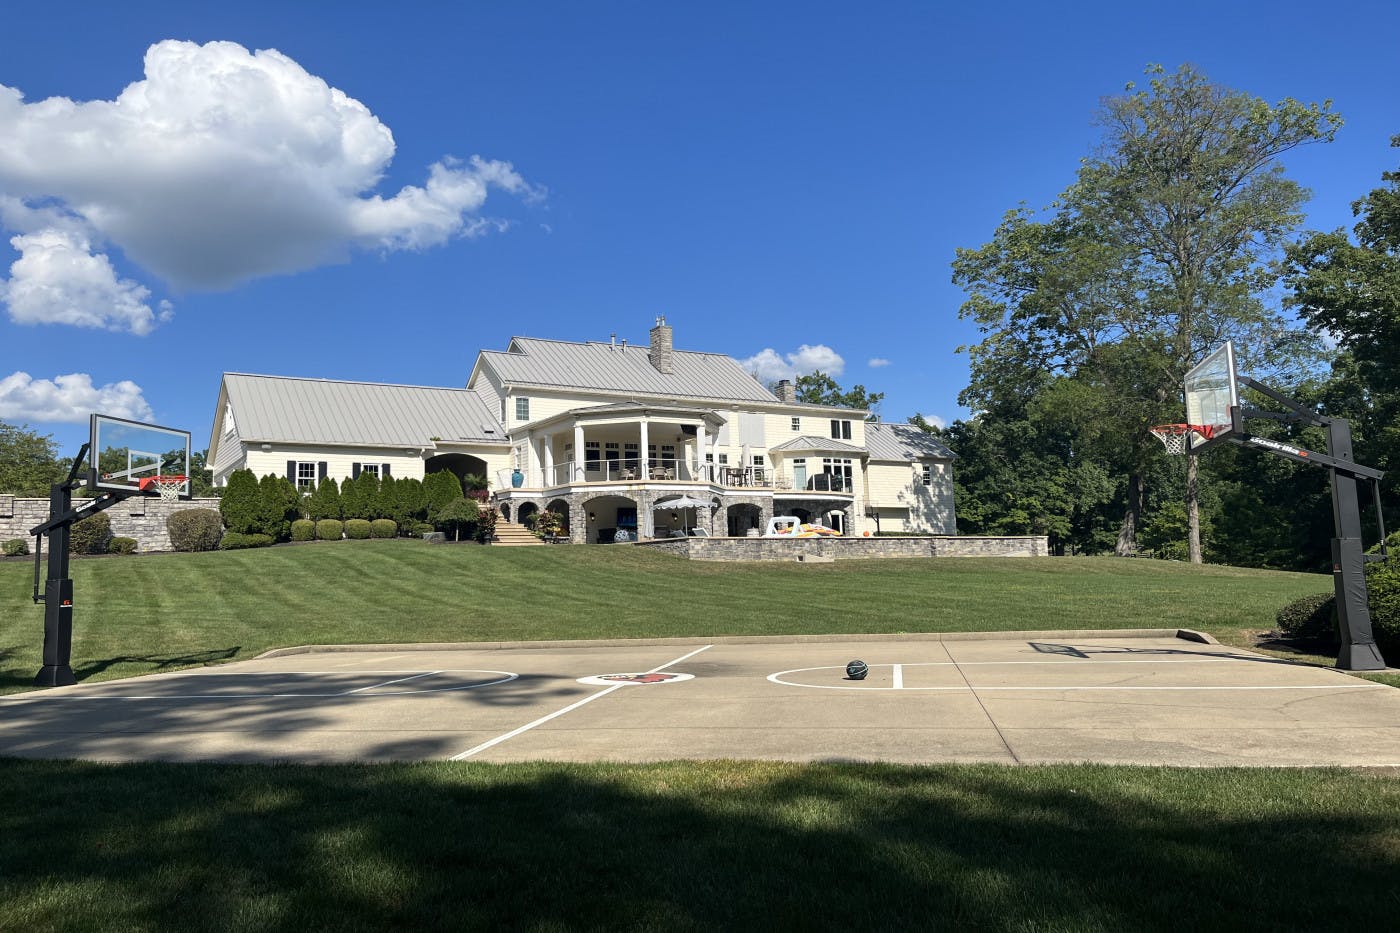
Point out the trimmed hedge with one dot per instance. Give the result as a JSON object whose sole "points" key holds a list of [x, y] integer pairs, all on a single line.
{"points": [[423, 528], [15, 547], [90, 536], [358, 529], [195, 529], [383, 528], [235, 541], [121, 546], [303, 530], [1383, 582], [1312, 616], [329, 529]]}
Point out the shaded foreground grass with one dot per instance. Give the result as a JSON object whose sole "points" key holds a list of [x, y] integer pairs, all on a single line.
{"points": [[693, 845], [159, 612]]}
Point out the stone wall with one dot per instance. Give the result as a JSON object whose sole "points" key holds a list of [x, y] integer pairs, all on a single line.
{"points": [[139, 517], [768, 549]]}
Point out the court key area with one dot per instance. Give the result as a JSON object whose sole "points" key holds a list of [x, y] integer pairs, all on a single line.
{"points": [[1037, 698]]}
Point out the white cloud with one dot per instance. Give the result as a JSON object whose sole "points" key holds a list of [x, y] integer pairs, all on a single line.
{"points": [[224, 165], [938, 421], [877, 362], [59, 280], [768, 366], [69, 398]]}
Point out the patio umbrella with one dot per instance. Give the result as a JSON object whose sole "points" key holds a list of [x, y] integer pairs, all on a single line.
{"points": [[681, 502]]}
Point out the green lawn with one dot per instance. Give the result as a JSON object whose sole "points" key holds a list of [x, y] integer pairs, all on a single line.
{"points": [[157, 612], [716, 845]]}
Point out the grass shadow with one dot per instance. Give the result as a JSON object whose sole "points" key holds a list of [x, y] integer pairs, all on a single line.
{"points": [[155, 663]]}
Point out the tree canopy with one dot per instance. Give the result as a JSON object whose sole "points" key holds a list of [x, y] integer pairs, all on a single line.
{"points": [[818, 388]]}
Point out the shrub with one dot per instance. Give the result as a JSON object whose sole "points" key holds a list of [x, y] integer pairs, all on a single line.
{"points": [[15, 547], [90, 536], [1383, 583], [121, 546], [303, 530], [549, 523], [383, 528], [357, 529], [241, 505], [195, 529], [439, 489], [486, 524], [329, 529], [234, 541], [423, 528], [1311, 616], [280, 506], [410, 502]]}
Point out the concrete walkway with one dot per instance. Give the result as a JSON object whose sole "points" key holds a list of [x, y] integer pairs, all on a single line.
{"points": [[1008, 698]]}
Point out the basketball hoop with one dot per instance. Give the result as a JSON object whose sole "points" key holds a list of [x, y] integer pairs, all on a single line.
{"points": [[167, 487], [1176, 437]]}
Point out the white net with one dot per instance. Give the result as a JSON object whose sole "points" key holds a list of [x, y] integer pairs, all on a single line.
{"points": [[168, 487], [1173, 437]]}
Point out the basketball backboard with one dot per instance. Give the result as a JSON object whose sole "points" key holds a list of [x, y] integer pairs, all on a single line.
{"points": [[1212, 392], [128, 456]]}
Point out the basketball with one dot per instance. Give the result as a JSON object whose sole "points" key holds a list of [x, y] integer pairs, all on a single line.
{"points": [[856, 670]]}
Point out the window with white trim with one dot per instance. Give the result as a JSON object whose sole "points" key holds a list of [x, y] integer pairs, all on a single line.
{"points": [[306, 474], [229, 426], [522, 409], [840, 429], [370, 468], [797, 425], [592, 453], [927, 470]]}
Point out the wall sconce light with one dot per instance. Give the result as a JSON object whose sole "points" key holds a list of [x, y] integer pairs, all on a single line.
{"points": [[592, 517], [673, 516], [266, 447]]}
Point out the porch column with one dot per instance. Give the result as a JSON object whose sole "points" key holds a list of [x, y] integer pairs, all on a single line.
{"points": [[645, 471], [578, 450], [646, 518], [548, 460], [700, 450]]}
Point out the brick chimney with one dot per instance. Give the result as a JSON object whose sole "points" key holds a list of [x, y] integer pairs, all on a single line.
{"points": [[786, 391], [660, 351]]}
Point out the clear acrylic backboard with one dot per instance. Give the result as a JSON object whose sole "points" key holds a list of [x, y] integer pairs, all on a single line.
{"points": [[128, 456], [1212, 392]]}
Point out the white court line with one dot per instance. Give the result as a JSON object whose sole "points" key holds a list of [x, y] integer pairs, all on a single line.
{"points": [[899, 683], [572, 706], [506, 677], [899, 677], [390, 682]]}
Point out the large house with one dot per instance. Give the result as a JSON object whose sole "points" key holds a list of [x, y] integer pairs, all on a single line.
{"points": [[616, 438]]}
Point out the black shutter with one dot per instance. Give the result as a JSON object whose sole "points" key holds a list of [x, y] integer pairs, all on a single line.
{"points": [[320, 470], [292, 471], [354, 471], [383, 471]]}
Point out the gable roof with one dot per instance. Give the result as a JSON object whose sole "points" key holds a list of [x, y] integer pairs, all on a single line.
{"points": [[603, 367], [903, 442], [326, 411], [807, 442]]}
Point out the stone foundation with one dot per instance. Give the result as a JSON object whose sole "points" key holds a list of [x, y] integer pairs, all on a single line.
{"points": [[139, 517]]}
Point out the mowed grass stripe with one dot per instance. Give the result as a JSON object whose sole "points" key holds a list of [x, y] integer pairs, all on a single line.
{"points": [[715, 845], [159, 612]]}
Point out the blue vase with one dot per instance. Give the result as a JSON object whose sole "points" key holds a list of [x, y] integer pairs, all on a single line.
{"points": [[517, 479]]}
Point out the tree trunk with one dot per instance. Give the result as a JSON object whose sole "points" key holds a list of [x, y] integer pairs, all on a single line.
{"points": [[1132, 519], [1193, 510]]}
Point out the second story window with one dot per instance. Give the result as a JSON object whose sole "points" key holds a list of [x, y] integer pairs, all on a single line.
{"points": [[522, 409], [840, 430], [797, 424], [927, 470]]}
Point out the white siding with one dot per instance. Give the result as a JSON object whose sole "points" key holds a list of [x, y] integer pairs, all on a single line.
{"points": [[900, 487], [338, 461]]}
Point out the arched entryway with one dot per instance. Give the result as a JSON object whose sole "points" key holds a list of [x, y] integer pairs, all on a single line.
{"points": [[459, 465], [560, 508], [611, 519], [741, 519], [526, 514]]}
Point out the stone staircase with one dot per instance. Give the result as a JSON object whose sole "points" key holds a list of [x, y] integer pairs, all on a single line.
{"points": [[510, 534]]}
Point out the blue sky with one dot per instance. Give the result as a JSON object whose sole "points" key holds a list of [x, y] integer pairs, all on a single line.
{"points": [[768, 176]]}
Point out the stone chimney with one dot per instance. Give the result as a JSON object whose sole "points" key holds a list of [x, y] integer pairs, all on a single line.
{"points": [[660, 351], [786, 391]]}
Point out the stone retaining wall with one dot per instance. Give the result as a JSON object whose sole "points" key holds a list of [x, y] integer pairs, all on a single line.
{"points": [[739, 549], [139, 517]]}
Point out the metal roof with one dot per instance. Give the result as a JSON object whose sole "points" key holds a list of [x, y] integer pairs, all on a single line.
{"points": [[807, 442], [903, 442], [603, 367], [325, 411]]}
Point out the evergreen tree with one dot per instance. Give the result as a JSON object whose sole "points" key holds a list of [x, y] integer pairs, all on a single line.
{"points": [[241, 504], [364, 501], [386, 502], [279, 506], [324, 501], [439, 489]]}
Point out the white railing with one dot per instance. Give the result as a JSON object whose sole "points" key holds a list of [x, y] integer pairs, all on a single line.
{"points": [[670, 469]]}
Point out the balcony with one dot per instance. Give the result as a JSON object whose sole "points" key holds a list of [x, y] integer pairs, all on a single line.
{"points": [[632, 472]]}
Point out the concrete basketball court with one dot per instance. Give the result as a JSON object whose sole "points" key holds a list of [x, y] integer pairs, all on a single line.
{"points": [[1122, 697]]}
